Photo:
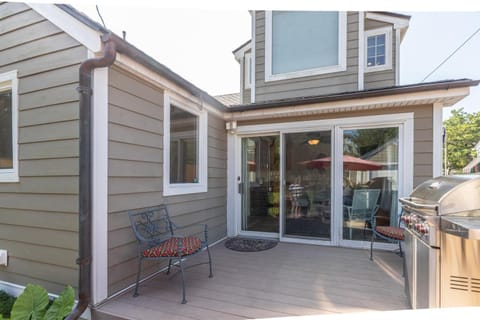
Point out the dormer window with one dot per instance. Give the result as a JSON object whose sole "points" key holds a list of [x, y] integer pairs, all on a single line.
{"points": [[378, 49], [304, 43]]}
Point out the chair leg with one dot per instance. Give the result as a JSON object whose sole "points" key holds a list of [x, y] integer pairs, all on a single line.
{"points": [[209, 262], [372, 238], [139, 269], [169, 266], [184, 300]]}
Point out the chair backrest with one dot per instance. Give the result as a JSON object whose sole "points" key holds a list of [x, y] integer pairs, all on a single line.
{"points": [[152, 225], [364, 202]]}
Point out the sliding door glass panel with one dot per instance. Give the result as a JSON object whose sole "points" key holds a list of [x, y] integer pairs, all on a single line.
{"points": [[307, 192], [370, 180], [260, 186]]}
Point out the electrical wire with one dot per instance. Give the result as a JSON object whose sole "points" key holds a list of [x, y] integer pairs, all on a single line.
{"points": [[98, 11], [447, 58]]}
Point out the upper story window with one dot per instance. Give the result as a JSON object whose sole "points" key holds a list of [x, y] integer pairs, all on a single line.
{"points": [[185, 149], [8, 127], [304, 43], [378, 49]]}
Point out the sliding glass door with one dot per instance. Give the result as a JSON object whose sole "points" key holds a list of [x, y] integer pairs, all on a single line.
{"points": [[307, 188], [370, 180], [260, 184]]}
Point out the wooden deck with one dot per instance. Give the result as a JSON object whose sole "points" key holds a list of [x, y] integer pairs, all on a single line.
{"points": [[288, 280]]}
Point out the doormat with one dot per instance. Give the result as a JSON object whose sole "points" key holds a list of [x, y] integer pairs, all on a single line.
{"points": [[249, 245]]}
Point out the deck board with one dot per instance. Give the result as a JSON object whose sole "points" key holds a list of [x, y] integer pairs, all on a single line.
{"points": [[288, 280]]}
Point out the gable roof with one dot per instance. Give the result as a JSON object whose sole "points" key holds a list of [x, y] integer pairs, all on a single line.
{"points": [[144, 59]]}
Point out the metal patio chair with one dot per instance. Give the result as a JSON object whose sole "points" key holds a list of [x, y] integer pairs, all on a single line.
{"points": [[157, 239], [392, 234], [364, 206]]}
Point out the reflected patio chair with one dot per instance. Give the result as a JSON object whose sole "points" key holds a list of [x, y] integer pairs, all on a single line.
{"points": [[364, 206], [157, 239], [391, 234]]}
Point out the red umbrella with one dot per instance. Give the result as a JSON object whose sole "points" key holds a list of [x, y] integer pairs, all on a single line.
{"points": [[349, 163]]}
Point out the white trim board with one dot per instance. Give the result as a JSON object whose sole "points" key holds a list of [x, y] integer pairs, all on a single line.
{"points": [[9, 82], [76, 29], [100, 186], [361, 50], [437, 140]]}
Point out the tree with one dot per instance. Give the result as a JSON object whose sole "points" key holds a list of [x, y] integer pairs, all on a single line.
{"points": [[463, 133]]}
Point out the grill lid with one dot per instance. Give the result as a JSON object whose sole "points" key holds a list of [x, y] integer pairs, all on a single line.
{"points": [[450, 194]]}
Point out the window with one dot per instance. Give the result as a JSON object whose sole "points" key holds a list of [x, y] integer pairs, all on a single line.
{"points": [[248, 70], [304, 43], [8, 127], [185, 149], [378, 48]]}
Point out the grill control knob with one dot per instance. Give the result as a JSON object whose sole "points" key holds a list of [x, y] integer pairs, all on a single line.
{"points": [[421, 228]]}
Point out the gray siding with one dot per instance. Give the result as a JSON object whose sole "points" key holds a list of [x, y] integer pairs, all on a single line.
{"points": [[38, 215], [306, 86], [386, 78], [136, 172]]}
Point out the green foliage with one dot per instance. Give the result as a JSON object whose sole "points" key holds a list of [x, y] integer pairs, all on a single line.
{"points": [[6, 304], [463, 133], [61, 306], [34, 304]]}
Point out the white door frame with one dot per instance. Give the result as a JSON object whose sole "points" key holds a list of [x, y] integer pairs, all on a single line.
{"points": [[404, 121]]}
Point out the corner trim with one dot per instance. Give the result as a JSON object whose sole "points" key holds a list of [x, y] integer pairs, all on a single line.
{"points": [[253, 85], [361, 50], [100, 185], [437, 139]]}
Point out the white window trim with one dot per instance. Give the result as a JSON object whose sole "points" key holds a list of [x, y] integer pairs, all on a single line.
{"points": [[170, 189], [9, 81], [247, 70], [388, 49], [342, 52]]}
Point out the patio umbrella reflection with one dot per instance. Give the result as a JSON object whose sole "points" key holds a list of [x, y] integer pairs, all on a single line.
{"points": [[349, 163]]}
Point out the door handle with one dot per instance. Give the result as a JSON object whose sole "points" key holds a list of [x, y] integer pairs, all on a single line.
{"points": [[240, 187]]}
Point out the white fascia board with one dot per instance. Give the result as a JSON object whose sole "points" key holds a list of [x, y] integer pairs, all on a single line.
{"points": [[398, 23], [77, 30], [396, 100], [241, 52]]}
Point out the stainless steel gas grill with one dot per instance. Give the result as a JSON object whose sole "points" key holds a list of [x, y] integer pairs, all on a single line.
{"points": [[435, 216]]}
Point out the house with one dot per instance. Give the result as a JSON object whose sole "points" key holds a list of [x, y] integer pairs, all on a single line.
{"points": [[277, 163], [474, 165]]}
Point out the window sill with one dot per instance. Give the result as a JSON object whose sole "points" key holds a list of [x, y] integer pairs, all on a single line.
{"points": [[184, 188], [9, 177], [305, 73], [377, 68]]}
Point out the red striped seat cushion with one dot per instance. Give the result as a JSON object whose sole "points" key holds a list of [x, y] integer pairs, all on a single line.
{"points": [[391, 232], [169, 248]]}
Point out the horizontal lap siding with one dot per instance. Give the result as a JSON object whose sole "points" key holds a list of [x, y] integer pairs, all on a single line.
{"points": [[386, 78], [306, 86], [38, 215], [136, 173]]}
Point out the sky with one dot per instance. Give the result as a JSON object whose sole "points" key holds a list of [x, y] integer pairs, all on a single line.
{"points": [[196, 38]]}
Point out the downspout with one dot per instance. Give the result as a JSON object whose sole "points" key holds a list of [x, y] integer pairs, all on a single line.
{"points": [[85, 175]]}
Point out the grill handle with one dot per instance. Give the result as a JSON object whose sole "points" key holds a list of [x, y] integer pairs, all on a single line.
{"points": [[416, 205]]}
